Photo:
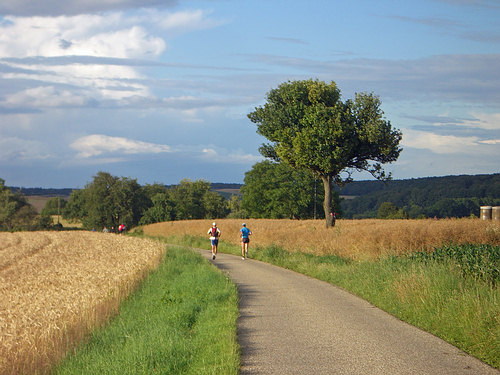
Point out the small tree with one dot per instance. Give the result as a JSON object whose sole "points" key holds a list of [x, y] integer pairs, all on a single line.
{"points": [[15, 211], [311, 128], [188, 199], [54, 206], [162, 209]]}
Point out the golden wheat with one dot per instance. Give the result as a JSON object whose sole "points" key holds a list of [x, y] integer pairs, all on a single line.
{"points": [[55, 286], [356, 239]]}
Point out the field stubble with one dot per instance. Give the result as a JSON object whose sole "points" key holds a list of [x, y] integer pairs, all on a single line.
{"points": [[56, 286], [368, 239]]}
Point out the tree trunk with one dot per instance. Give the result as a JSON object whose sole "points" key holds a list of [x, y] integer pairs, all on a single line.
{"points": [[327, 204]]}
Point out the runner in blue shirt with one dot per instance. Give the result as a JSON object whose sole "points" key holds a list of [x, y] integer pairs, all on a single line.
{"points": [[245, 240]]}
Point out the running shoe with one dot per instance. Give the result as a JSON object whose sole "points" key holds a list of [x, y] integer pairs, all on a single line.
{"points": [[213, 256]]}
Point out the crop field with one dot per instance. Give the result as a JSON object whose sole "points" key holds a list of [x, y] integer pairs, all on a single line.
{"points": [[56, 286], [354, 239]]}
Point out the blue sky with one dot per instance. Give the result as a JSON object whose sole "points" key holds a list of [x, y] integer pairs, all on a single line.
{"points": [[159, 90]]}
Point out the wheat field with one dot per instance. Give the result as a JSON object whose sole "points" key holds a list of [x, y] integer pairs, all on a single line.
{"points": [[355, 239], [56, 286]]}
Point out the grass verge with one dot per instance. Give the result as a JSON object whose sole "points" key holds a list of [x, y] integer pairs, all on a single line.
{"points": [[438, 296], [182, 320]]}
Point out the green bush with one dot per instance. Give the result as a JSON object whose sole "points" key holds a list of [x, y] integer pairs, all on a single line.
{"points": [[477, 261]]}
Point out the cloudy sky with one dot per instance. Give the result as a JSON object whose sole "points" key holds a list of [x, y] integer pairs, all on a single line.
{"points": [[159, 90]]}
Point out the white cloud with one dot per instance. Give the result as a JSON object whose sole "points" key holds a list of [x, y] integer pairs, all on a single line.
{"points": [[234, 156], [439, 144], [111, 35], [184, 21], [491, 142], [44, 97], [490, 121], [98, 144], [118, 34], [15, 149], [88, 54]]}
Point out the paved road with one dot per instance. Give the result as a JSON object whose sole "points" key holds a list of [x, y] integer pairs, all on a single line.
{"points": [[292, 324]]}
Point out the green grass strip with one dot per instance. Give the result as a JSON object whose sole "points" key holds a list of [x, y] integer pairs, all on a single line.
{"points": [[436, 296], [182, 320]]}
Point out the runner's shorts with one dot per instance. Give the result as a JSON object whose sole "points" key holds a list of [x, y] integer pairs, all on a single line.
{"points": [[245, 240], [215, 242]]}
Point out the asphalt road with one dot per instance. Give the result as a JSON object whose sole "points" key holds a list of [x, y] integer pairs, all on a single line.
{"points": [[292, 324]]}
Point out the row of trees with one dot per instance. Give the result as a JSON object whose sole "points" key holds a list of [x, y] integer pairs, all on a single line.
{"points": [[271, 190], [109, 201]]}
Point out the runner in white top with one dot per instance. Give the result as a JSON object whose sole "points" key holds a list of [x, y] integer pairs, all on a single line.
{"points": [[214, 233]]}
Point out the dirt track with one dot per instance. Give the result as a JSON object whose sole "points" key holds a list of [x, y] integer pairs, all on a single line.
{"points": [[293, 324]]}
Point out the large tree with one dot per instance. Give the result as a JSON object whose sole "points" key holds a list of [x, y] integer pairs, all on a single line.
{"points": [[311, 128]]}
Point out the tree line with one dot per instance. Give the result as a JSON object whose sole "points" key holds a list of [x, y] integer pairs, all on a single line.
{"points": [[270, 190], [448, 196]]}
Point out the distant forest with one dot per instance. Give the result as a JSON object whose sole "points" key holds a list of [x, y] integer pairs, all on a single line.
{"points": [[448, 196], [45, 192], [65, 192]]}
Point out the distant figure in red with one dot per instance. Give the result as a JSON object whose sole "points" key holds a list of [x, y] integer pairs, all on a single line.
{"points": [[121, 228], [334, 217]]}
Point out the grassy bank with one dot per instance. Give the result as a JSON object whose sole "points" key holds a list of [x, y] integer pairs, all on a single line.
{"points": [[431, 292], [182, 320]]}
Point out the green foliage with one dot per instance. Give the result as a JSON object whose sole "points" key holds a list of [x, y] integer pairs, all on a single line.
{"points": [[310, 128], [477, 261], [76, 206], [45, 222], [387, 210], [194, 200], [236, 210], [449, 196], [186, 201], [182, 320], [54, 206], [215, 205], [162, 209], [107, 201], [15, 211], [276, 190]]}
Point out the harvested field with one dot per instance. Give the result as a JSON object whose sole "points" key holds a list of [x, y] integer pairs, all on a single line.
{"points": [[356, 239], [56, 286]]}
